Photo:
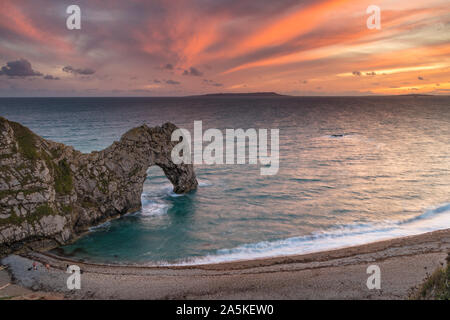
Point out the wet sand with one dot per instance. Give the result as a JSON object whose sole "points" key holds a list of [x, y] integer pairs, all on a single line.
{"points": [[335, 274]]}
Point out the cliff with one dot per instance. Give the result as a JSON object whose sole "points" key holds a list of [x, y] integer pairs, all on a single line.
{"points": [[50, 192]]}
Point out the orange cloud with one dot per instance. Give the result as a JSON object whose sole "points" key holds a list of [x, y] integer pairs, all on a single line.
{"points": [[415, 88], [288, 27], [184, 35], [273, 45], [12, 18], [353, 38]]}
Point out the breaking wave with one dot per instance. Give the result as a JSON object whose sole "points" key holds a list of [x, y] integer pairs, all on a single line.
{"points": [[342, 236]]}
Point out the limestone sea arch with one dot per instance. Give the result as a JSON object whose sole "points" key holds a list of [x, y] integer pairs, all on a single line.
{"points": [[50, 192]]}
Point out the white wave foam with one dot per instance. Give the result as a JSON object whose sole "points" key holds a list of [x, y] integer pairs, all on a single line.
{"points": [[172, 194], [175, 195], [339, 237], [165, 190], [153, 203], [204, 183], [161, 192], [154, 209], [104, 225]]}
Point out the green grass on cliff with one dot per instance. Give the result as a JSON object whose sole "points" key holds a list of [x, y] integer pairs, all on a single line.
{"points": [[43, 210], [61, 173], [436, 286], [26, 140], [63, 177], [40, 212], [6, 193]]}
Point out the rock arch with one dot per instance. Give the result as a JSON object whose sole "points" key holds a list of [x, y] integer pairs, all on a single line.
{"points": [[122, 168], [50, 192]]}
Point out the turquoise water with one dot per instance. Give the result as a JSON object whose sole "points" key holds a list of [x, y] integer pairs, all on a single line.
{"points": [[352, 171]]}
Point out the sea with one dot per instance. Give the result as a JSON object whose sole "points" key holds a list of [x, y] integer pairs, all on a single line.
{"points": [[352, 170]]}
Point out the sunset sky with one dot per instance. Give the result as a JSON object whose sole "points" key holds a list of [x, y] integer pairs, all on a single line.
{"points": [[181, 47]]}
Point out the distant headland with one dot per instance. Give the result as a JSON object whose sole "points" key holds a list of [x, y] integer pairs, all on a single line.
{"points": [[245, 94]]}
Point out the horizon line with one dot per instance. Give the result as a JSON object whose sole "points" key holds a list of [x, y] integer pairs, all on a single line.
{"points": [[218, 95]]}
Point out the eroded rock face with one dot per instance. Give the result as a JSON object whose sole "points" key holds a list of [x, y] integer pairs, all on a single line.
{"points": [[50, 192]]}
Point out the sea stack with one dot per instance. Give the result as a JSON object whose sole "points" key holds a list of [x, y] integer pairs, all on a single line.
{"points": [[49, 192]]}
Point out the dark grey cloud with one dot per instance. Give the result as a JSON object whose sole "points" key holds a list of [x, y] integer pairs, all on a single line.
{"points": [[356, 73], [172, 82], [168, 66], [50, 77], [420, 78], [86, 71], [156, 81], [192, 72], [19, 68], [212, 83]]}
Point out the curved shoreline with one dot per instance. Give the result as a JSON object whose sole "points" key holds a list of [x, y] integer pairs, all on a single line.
{"points": [[334, 274], [268, 261], [348, 235]]}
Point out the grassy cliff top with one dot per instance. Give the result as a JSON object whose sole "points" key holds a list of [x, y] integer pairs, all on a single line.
{"points": [[436, 286]]}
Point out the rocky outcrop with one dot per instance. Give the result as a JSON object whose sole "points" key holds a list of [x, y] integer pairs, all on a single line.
{"points": [[50, 192]]}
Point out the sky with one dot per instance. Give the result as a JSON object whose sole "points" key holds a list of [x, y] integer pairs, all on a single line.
{"points": [[180, 47]]}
